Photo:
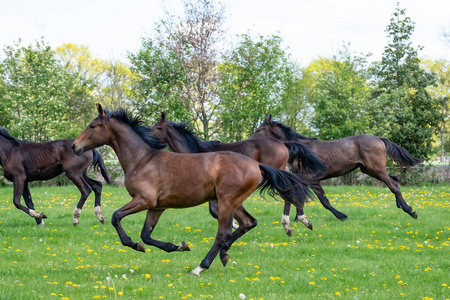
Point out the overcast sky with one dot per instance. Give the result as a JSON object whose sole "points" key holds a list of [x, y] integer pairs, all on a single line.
{"points": [[308, 27]]}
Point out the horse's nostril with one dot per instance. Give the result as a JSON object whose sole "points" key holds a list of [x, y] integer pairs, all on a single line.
{"points": [[73, 147]]}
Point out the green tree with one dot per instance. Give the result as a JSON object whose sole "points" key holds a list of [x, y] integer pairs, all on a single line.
{"points": [[339, 95], [401, 100], [183, 54], [441, 92], [255, 77], [36, 86]]}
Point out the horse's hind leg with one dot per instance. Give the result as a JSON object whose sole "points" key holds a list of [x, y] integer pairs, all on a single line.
{"points": [[320, 193], [85, 190], [19, 189], [97, 188], [285, 218], [302, 217], [224, 233], [30, 204], [392, 184], [149, 225], [246, 222]]}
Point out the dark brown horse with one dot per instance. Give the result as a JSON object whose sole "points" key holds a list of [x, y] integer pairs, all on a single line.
{"points": [[366, 152], [266, 150], [24, 162], [158, 180]]}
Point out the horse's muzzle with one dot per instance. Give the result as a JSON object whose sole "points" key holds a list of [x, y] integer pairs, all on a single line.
{"points": [[77, 151]]}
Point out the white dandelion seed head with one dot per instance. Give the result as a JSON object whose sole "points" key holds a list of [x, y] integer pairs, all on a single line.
{"points": [[124, 276], [116, 276], [108, 278], [426, 242], [242, 296], [131, 271]]}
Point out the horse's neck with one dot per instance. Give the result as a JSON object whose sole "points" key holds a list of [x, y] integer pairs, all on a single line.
{"points": [[5, 148], [129, 147], [179, 142]]}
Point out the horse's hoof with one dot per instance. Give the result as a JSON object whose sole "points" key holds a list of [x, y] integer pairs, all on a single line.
{"points": [[197, 271], [343, 217], [183, 247], [76, 222], [414, 215], [289, 231], [41, 224], [310, 225], [102, 220], [43, 216], [225, 259], [140, 247]]}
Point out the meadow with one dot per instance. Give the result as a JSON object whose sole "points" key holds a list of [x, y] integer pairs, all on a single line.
{"points": [[378, 253]]}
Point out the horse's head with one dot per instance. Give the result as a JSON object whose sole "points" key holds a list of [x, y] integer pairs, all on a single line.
{"points": [[159, 130], [269, 128], [96, 134]]}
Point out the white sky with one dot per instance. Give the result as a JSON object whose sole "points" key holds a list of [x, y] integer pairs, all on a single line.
{"points": [[308, 27]]}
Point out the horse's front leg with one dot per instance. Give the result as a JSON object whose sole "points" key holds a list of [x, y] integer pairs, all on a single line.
{"points": [[29, 202], [136, 205], [150, 224], [18, 191]]}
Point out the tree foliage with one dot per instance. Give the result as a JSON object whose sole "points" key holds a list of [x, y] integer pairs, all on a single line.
{"points": [[409, 114], [39, 91], [255, 77]]}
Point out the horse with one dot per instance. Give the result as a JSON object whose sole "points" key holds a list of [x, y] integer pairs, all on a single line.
{"points": [[158, 180], [24, 162], [342, 156], [266, 150]]}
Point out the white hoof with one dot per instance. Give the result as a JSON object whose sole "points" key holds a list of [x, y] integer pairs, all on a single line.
{"points": [[197, 271]]}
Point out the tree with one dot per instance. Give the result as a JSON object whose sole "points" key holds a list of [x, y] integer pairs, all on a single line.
{"points": [[36, 86], [188, 46], [255, 77], [401, 100], [339, 95], [441, 92]]}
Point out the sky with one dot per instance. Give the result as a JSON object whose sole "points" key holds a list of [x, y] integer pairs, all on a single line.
{"points": [[309, 28]]}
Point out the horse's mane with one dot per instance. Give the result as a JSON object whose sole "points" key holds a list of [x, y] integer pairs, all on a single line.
{"points": [[290, 134], [4, 133], [194, 144], [136, 123]]}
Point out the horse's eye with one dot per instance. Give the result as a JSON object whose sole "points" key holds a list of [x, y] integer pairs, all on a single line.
{"points": [[92, 126]]}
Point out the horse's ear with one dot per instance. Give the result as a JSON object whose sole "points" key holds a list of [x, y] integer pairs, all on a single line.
{"points": [[268, 118], [100, 110], [163, 117]]}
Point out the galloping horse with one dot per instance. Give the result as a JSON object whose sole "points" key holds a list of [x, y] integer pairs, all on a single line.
{"points": [[342, 156], [265, 150], [158, 180], [24, 162]]}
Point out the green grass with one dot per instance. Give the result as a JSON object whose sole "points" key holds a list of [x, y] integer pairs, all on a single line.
{"points": [[378, 253]]}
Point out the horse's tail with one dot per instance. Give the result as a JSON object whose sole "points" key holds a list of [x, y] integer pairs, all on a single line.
{"points": [[99, 165], [399, 154], [289, 186], [305, 158]]}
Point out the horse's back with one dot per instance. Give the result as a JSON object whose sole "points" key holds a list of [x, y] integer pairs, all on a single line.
{"points": [[184, 180]]}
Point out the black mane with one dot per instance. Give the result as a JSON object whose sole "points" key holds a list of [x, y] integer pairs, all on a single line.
{"points": [[4, 133], [290, 134], [194, 144], [136, 123]]}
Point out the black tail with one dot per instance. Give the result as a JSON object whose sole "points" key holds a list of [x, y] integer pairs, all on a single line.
{"points": [[304, 158], [99, 165], [289, 186], [399, 154]]}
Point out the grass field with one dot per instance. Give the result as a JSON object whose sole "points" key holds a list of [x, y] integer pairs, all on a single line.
{"points": [[378, 253]]}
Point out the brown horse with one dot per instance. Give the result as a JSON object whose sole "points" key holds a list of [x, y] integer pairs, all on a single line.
{"points": [[24, 162], [158, 180], [342, 156], [266, 150]]}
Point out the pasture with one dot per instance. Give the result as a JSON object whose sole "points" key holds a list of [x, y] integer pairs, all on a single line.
{"points": [[380, 252]]}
